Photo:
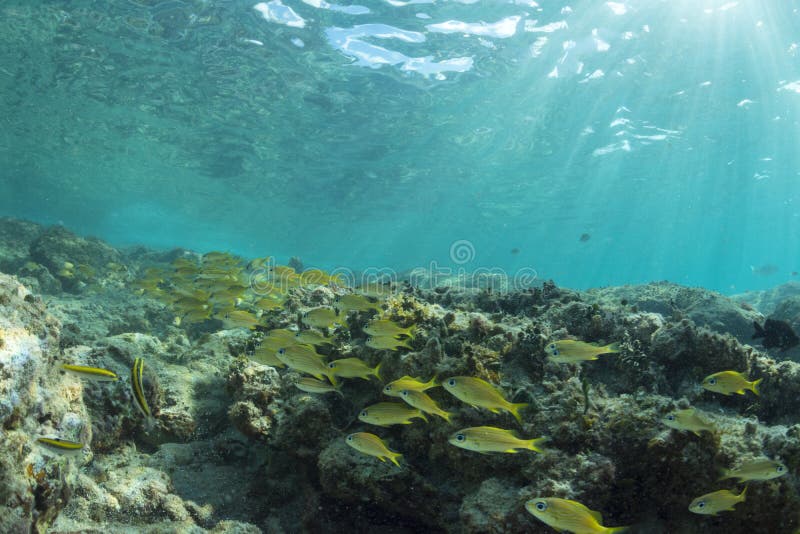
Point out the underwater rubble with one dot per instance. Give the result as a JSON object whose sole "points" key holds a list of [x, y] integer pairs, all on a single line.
{"points": [[229, 442]]}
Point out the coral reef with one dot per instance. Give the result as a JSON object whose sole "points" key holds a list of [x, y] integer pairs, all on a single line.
{"points": [[234, 446]]}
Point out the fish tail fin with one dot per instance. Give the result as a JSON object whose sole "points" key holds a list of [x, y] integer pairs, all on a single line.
{"points": [[533, 444], [422, 416], [376, 372], [515, 408], [394, 456], [446, 416], [613, 347], [332, 378], [742, 494], [754, 386], [432, 383]]}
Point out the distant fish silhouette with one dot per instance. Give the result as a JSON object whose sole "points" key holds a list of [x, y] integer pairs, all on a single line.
{"points": [[776, 333], [764, 270], [515, 251], [585, 237]]}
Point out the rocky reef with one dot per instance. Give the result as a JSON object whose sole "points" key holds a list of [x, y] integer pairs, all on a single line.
{"points": [[234, 446]]}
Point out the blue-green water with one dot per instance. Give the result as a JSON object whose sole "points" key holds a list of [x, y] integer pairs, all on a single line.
{"points": [[380, 134]]}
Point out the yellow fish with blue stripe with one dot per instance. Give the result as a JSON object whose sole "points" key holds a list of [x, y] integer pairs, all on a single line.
{"points": [[390, 413], [485, 439], [373, 446], [759, 469], [716, 502], [572, 351], [730, 382], [423, 401], [395, 387], [565, 515], [481, 394], [688, 420], [353, 368]]}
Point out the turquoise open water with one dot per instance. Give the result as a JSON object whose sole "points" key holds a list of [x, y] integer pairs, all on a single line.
{"points": [[379, 134]]}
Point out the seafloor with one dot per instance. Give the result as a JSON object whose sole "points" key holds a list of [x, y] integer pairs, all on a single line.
{"points": [[235, 447]]}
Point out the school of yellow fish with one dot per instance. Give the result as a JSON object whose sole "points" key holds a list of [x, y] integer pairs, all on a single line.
{"points": [[219, 286]]}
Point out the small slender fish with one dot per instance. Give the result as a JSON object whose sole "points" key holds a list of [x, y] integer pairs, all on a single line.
{"points": [[138, 390], [688, 419], [572, 351], [422, 401], [61, 446], [353, 368], [372, 445], [486, 439], [481, 394], [395, 387], [312, 385], [716, 502], [91, 373], [760, 469], [390, 413], [730, 382], [565, 515]]}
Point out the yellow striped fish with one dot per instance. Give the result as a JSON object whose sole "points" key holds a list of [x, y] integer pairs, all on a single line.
{"points": [[138, 390], [61, 446], [91, 373]]}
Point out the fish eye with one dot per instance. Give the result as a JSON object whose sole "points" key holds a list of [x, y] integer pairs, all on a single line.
{"points": [[670, 417], [363, 413], [552, 346], [281, 351], [331, 365], [555, 352], [712, 381], [780, 469], [460, 437], [451, 382], [541, 506], [297, 334], [387, 389], [701, 504], [350, 437], [404, 393]]}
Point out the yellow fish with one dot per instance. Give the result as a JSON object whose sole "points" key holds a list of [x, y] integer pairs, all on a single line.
{"points": [[481, 394], [137, 385], [688, 419], [61, 446], [395, 387], [312, 385], [569, 516], [306, 360], [372, 445], [387, 328], [485, 439], [91, 373], [353, 368], [571, 351], [729, 382], [760, 469], [422, 401], [312, 337], [716, 502], [390, 413], [282, 333], [321, 317], [239, 319], [353, 302], [266, 352], [386, 343], [375, 289]]}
